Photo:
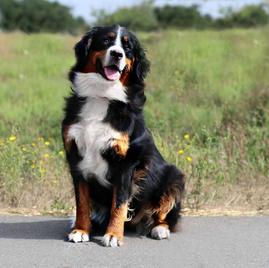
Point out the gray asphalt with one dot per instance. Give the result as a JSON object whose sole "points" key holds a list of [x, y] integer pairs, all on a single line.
{"points": [[202, 242]]}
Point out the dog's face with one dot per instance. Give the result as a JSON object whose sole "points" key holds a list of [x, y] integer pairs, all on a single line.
{"points": [[114, 53]]}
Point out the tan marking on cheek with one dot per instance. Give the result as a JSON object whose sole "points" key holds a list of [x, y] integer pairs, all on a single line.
{"points": [[92, 59], [121, 145], [129, 64], [126, 73], [117, 218]]}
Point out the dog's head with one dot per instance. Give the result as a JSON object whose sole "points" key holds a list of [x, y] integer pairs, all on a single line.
{"points": [[113, 52]]}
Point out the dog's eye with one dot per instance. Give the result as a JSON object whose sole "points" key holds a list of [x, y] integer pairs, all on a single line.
{"points": [[126, 44], [106, 41]]}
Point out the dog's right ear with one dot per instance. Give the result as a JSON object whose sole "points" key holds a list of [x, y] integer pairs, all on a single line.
{"points": [[82, 48]]}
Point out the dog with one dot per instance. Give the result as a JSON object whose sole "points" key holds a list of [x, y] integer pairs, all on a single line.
{"points": [[120, 178]]}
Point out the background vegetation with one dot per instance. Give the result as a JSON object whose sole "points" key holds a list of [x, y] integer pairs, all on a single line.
{"points": [[147, 17], [208, 100], [43, 16], [207, 107], [38, 16]]}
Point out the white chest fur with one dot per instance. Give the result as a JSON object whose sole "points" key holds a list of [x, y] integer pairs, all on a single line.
{"points": [[91, 134]]}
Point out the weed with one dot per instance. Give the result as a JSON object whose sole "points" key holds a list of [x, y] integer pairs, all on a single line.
{"points": [[207, 106]]}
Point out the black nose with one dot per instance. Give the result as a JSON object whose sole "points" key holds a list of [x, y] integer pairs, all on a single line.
{"points": [[116, 55]]}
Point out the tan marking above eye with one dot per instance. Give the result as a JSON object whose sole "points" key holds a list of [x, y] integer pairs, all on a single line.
{"points": [[111, 35], [125, 38]]}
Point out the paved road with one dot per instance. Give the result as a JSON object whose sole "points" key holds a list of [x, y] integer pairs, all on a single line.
{"points": [[202, 242]]}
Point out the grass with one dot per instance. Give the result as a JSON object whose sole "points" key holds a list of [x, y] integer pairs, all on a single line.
{"points": [[208, 109]]}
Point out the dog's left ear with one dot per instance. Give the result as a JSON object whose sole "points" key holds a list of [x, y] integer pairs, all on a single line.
{"points": [[141, 64]]}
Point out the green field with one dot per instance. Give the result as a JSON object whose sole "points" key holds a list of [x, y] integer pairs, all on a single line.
{"points": [[207, 106]]}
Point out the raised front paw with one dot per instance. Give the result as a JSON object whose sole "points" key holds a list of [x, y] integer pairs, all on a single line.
{"points": [[112, 240], [78, 235]]}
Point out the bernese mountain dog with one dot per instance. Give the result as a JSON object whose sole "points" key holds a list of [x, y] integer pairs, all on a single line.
{"points": [[120, 178]]}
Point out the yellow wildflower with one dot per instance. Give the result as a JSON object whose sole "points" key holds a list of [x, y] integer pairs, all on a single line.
{"points": [[12, 138], [33, 166], [42, 170], [47, 143], [33, 144], [61, 153], [24, 149], [40, 138], [2, 142], [180, 152], [186, 136], [189, 159], [46, 155]]}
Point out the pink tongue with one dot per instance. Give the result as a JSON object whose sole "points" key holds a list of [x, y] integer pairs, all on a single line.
{"points": [[111, 73]]}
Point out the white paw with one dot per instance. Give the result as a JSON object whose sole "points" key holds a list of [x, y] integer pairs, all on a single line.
{"points": [[78, 236], [111, 241], [160, 232]]}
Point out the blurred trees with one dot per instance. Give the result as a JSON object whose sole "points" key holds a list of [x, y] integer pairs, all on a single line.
{"points": [[147, 17], [140, 17], [248, 16], [37, 16], [181, 17], [42, 15]]}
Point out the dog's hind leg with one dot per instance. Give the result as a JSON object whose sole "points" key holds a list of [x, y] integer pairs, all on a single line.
{"points": [[80, 232], [166, 214], [161, 227]]}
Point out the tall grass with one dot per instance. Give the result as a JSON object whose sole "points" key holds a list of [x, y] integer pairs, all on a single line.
{"points": [[207, 106]]}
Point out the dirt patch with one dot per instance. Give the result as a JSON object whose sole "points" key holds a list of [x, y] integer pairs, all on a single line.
{"points": [[209, 212], [6, 46], [224, 212]]}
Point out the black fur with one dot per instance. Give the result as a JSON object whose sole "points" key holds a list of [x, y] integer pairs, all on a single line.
{"points": [[160, 178]]}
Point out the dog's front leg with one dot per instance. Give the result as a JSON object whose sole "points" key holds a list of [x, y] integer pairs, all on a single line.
{"points": [[80, 232], [115, 230]]}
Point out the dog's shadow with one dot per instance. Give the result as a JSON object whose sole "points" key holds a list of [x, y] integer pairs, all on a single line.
{"points": [[36, 229], [53, 229]]}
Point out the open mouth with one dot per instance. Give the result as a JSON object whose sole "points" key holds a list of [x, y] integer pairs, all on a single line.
{"points": [[112, 72]]}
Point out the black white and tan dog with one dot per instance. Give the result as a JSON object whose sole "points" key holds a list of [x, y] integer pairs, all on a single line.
{"points": [[118, 173]]}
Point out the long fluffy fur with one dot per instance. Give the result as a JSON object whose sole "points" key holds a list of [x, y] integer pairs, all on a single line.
{"points": [[142, 177]]}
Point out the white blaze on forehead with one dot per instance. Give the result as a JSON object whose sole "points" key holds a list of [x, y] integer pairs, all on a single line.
{"points": [[118, 38], [118, 48]]}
